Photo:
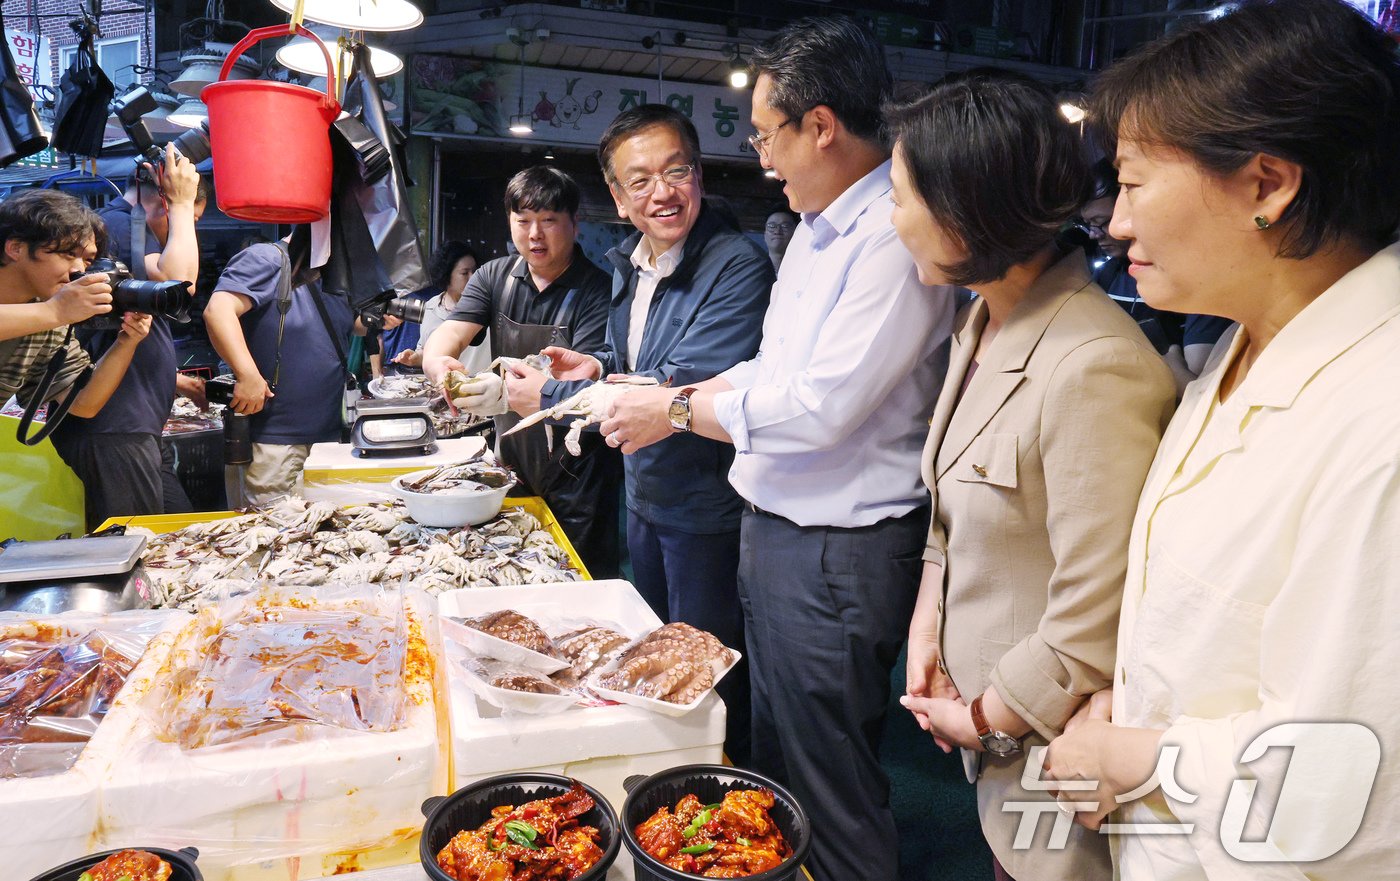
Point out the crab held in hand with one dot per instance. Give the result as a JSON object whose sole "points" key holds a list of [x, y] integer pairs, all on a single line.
{"points": [[589, 406]]}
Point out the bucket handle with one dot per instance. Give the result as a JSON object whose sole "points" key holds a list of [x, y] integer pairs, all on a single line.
{"points": [[280, 30]]}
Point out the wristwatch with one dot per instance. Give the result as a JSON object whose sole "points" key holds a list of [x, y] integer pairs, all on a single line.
{"points": [[679, 412], [998, 743]]}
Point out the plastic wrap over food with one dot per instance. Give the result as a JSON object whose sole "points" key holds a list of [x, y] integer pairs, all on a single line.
{"points": [[58, 682], [65, 707], [292, 730], [271, 673]]}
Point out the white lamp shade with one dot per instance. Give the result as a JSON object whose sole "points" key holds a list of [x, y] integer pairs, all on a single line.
{"points": [[189, 114], [304, 56], [202, 68], [359, 15]]}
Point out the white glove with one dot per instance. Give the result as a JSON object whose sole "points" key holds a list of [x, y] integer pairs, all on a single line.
{"points": [[482, 395]]}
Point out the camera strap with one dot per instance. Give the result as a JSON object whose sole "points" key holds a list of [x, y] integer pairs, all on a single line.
{"points": [[41, 394], [284, 305], [136, 258]]}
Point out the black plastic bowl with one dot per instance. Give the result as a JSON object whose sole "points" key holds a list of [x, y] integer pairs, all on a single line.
{"points": [[709, 783], [182, 867], [470, 806]]}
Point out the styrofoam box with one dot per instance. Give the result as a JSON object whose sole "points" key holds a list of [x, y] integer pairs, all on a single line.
{"points": [[601, 746], [284, 812], [47, 821]]}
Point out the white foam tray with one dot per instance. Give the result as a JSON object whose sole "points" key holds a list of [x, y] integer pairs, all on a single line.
{"points": [[601, 746], [47, 821]]}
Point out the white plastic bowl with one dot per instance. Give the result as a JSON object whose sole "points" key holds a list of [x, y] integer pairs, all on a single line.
{"points": [[450, 509]]}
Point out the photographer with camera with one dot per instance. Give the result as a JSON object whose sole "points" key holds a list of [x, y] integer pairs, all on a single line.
{"points": [[285, 340], [118, 453], [46, 239]]}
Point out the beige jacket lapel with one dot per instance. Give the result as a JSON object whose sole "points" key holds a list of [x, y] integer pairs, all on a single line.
{"points": [[1003, 371], [965, 337]]}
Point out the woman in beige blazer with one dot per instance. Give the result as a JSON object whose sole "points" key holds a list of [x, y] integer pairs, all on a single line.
{"points": [[1052, 409]]}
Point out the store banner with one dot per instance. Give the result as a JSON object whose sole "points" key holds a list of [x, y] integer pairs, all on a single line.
{"points": [[33, 63], [450, 95]]}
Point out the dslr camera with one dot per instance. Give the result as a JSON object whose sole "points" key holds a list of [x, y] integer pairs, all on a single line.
{"points": [[170, 299], [193, 144], [238, 440]]}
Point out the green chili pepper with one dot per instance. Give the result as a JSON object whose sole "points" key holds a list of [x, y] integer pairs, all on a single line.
{"points": [[491, 843], [125, 878], [742, 842], [714, 807], [522, 833], [690, 832], [697, 849], [523, 828], [86, 876]]}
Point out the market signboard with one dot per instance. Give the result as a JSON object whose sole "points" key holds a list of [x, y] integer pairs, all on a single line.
{"points": [[468, 97]]}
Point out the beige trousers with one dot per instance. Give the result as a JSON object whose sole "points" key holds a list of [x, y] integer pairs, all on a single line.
{"points": [[272, 473]]}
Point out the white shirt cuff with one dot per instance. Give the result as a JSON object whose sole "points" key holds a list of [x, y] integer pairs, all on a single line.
{"points": [[729, 413]]}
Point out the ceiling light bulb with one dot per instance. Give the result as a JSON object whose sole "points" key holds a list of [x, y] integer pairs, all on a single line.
{"points": [[522, 124], [359, 15], [770, 173], [1072, 112], [739, 78]]}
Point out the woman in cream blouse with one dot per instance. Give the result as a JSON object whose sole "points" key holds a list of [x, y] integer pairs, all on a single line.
{"points": [[1260, 161], [1053, 405]]}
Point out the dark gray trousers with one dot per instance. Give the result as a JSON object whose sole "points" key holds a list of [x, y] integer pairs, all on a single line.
{"points": [[826, 612]]}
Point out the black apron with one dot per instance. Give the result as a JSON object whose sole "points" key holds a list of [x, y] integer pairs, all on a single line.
{"points": [[526, 452], [582, 491]]}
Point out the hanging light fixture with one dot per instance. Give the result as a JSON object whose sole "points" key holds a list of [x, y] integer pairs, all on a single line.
{"points": [[359, 15], [304, 56], [738, 69], [189, 114], [521, 123], [202, 68]]}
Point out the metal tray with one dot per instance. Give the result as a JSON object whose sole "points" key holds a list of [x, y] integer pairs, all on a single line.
{"points": [[70, 558]]}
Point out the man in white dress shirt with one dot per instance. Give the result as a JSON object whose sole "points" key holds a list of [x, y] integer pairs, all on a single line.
{"points": [[828, 422]]}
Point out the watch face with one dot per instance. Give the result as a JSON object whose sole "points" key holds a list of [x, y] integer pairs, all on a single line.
{"points": [[999, 744], [677, 413]]}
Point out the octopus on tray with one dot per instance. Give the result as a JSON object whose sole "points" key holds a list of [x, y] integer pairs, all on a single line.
{"points": [[675, 663], [588, 648], [129, 865], [512, 677], [514, 627], [540, 840], [733, 838]]}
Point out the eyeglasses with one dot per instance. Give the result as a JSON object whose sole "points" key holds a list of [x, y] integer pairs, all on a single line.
{"points": [[780, 227], [675, 176], [1101, 227], [760, 142]]}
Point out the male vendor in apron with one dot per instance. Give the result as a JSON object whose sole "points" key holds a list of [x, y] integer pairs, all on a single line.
{"points": [[550, 295]]}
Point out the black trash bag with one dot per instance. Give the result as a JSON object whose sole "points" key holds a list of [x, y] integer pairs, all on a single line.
{"points": [[371, 156], [21, 134], [85, 94], [384, 202]]}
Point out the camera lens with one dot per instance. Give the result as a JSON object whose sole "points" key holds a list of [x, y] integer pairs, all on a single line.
{"points": [[168, 298], [193, 144], [238, 439], [407, 308]]}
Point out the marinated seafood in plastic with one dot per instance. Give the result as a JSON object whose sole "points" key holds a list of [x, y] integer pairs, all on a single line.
{"points": [[511, 677], [733, 838], [514, 628], [536, 841], [273, 669], [55, 688], [129, 865]]}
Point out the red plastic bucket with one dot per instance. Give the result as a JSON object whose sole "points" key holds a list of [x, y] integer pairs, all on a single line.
{"points": [[271, 141]]}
